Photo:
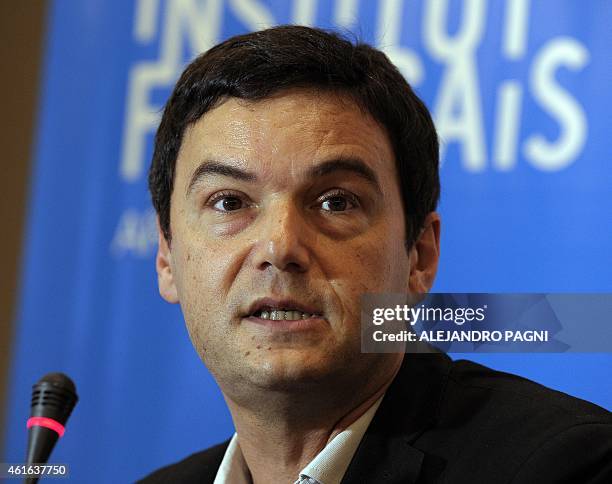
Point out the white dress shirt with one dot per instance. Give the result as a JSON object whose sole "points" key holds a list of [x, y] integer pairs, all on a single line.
{"points": [[328, 467]]}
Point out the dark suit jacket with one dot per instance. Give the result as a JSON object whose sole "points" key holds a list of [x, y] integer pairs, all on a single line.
{"points": [[459, 422]]}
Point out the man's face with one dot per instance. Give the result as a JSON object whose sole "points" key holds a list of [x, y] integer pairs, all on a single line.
{"points": [[284, 208]]}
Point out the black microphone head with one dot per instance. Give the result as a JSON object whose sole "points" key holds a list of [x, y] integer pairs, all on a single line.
{"points": [[54, 396], [60, 380]]}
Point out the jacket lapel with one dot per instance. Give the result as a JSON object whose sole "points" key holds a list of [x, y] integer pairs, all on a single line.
{"points": [[409, 408]]}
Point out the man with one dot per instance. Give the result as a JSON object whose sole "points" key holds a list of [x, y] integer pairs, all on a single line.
{"points": [[293, 172]]}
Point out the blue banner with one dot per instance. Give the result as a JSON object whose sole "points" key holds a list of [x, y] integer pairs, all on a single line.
{"points": [[519, 90]]}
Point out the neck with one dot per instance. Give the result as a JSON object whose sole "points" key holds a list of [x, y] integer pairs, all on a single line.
{"points": [[281, 434]]}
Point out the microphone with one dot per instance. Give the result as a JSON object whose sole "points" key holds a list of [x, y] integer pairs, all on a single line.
{"points": [[53, 398]]}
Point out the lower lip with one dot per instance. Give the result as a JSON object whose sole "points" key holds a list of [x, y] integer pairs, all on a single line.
{"points": [[287, 324]]}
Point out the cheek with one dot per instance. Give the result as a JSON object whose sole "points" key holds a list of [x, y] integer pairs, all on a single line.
{"points": [[374, 266], [204, 269], [196, 277], [364, 268], [202, 304], [206, 273]]}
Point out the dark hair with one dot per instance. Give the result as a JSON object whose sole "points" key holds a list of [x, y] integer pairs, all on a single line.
{"points": [[257, 65]]}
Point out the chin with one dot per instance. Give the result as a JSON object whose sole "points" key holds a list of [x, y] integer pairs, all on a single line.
{"points": [[292, 370], [317, 371]]}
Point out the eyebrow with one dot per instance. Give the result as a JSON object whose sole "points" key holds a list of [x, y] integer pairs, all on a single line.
{"points": [[351, 164], [354, 165], [211, 167]]}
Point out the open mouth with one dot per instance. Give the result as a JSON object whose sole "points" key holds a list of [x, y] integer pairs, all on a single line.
{"points": [[285, 314]]}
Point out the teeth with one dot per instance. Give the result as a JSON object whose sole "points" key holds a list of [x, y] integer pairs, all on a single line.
{"points": [[280, 315]]}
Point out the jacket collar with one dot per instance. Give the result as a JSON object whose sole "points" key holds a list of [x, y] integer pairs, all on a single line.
{"points": [[386, 453]]}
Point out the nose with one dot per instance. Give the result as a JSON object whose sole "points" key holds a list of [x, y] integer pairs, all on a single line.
{"points": [[282, 240]]}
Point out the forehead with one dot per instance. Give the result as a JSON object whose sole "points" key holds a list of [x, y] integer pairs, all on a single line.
{"points": [[289, 132]]}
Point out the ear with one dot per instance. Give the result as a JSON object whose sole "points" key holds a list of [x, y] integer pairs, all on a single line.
{"points": [[163, 265], [424, 255]]}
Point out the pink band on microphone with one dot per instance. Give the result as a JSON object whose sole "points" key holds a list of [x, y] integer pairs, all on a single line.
{"points": [[48, 423]]}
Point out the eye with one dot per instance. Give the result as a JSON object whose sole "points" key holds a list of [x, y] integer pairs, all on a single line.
{"points": [[226, 202], [338, 201]]}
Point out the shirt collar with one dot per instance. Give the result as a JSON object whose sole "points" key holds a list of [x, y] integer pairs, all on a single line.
{"points": [[328, 467], [233, 468]]}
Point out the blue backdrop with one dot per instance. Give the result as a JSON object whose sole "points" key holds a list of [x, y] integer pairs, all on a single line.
{"points": [[520, 92]]}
